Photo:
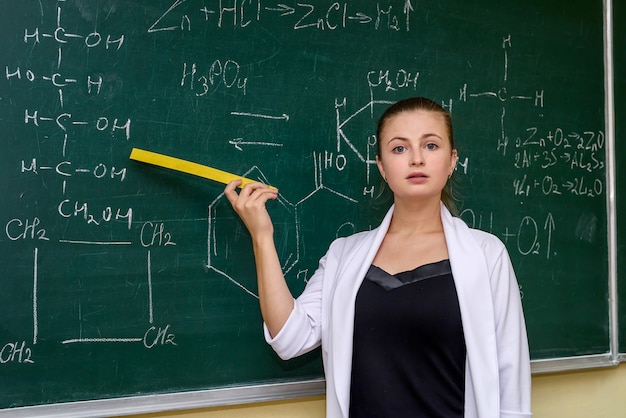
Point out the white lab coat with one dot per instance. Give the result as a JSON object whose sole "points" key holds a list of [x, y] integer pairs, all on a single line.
{"points": [[497, 377]]}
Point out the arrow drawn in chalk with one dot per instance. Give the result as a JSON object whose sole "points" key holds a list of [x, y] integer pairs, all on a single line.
{"points": [[283, 9], [549, 226], [408, 7], [238, 142], [257, 115]]}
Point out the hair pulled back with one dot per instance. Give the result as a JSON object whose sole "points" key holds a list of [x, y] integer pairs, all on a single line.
{"points": [[421, 104]]}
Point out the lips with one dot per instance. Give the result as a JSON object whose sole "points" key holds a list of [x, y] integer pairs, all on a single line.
{"points": [[418, 175], [417, 178]]}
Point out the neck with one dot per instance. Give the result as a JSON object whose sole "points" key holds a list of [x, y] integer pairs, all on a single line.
{"points": [[416, 217]]}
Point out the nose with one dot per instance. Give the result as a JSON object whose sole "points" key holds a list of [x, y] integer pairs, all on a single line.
{"points": [[417, 158]]}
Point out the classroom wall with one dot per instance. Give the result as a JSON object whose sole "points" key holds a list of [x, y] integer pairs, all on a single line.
{"points": [[598, 393]]}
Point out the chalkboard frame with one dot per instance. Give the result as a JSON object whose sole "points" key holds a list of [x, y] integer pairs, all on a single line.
{"points": [[619, 99], [609, 83], [299, 389], [172, 401]]}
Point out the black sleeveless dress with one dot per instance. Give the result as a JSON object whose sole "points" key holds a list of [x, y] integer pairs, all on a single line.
{"points": [[409, 351]]}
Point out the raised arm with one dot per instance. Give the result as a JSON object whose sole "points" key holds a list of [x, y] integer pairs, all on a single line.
{"points": [[275, 298]]}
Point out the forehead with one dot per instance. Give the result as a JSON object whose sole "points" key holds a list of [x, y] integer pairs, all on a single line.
{"points": [[415, 122]]}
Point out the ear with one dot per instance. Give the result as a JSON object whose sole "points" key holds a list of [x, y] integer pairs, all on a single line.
{"points": [[381, 170], [453, 161]]}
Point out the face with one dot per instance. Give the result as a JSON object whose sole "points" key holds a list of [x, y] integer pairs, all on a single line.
{"points": [[416, 157]]}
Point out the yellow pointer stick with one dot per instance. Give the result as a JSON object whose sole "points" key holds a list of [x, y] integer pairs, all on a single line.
{"points": [[187, 167]]}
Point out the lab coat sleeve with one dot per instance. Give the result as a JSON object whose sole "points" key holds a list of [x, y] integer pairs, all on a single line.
{"points": [[512, 341], [303, 330]]}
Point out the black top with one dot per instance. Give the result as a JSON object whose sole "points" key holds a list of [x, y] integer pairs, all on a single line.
{"points": [[409, 350]]}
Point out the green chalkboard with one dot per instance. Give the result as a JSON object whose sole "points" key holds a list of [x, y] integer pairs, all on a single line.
{"points": [[619, 54], [121, 279]]}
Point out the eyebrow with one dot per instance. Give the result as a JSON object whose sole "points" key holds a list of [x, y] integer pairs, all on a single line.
{"points": [[426, 135]]}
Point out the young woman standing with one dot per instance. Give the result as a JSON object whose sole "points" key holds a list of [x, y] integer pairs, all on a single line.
{"points": [[420, 317]]}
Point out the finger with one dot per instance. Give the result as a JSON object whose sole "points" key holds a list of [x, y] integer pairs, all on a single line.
{"points": [[230, 192], [263, 194], [257, 189], [260, 196]]}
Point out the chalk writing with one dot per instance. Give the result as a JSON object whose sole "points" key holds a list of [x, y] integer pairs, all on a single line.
{"points": [[67, 123], [530, 237], [17, 352], [155, 234], [18, 229], [303, 16], [226, 74], [75, 209], [158, 336]]}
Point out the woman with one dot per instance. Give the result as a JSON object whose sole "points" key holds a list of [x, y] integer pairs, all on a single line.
{"points": [[419, 317]]}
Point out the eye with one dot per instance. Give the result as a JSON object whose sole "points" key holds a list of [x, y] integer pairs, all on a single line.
{"points": [[399, 149], [432, 146]]}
